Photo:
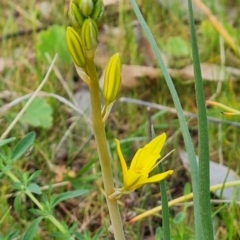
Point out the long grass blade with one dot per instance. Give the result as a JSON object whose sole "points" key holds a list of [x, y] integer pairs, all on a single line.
{"points": [[182, 120], [204, 179]]}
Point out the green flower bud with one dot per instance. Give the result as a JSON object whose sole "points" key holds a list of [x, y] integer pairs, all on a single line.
{"points": [[98, 10], [75, 16], [112, 79], [75, 47], [86, 7], [90, 36]]}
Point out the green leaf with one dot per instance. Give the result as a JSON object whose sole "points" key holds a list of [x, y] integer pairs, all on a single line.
{"points": [[34, 175], [53, 41], [38, 114], [158, 234], [79, 236], [18, 186], [98, 234], [5, 169], [32, 229], [179, 218], [18, 203], [67, 195], [23, 145], [6, 141], [36, 212], [34, 188], [12, 234]]}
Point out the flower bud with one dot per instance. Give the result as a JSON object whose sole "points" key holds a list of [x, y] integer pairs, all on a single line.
{"points": [[75, 47], [90, 36], [86, 7], [112, 79], [75, 16], [98, 10]]}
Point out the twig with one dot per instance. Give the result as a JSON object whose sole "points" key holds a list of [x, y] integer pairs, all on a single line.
{"points": [[173, 110]]}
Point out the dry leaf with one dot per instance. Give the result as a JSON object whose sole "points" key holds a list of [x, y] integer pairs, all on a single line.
{"points": [[133, 75], [218, 174], [210, 72]]}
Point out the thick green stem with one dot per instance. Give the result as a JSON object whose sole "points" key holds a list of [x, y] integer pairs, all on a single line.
{"points": [[103, 151], [40, 206]]}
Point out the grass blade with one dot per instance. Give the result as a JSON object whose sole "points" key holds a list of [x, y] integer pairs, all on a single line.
{"points": [[204, 181], [164, 202], [165, 208], [182, 120]]}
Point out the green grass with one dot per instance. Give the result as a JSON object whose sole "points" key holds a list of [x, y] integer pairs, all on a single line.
{"points": [[24, 72]]}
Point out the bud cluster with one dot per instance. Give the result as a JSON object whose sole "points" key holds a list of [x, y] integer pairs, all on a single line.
{"points": [[83, 35], [84, 9]]}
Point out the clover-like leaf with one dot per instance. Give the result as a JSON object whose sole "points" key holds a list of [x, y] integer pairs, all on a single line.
{"points": [[38, 114], [53, 41]]}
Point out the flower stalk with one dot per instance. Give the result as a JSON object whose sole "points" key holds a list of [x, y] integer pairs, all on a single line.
{"points": [[103, 151], [82, 42]]}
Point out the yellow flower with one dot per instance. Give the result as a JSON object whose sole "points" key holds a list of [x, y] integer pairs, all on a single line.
{"points": [[142, 164]]}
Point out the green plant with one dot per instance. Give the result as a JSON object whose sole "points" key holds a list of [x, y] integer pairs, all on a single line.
{"points": [[23, 184]]}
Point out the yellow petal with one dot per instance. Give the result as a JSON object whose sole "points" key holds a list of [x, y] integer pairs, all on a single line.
{"points": [[132, 180], [122, 161], [156, 145], [159, 177], [146, 157], [142, 180]]}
